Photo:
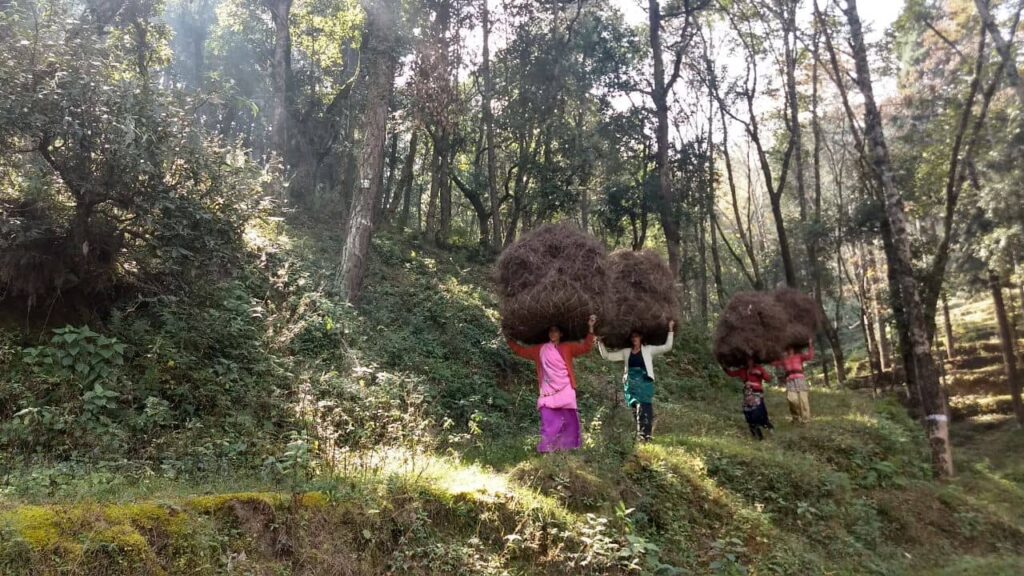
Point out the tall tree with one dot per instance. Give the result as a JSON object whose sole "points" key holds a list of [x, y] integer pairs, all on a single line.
{"points": [[380, 55], [281, 72], [663, 82], [487, 92], [926, 375]]}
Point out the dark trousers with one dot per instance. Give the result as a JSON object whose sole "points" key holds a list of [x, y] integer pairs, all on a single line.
{"points": [[643, 413], [757, 418]]}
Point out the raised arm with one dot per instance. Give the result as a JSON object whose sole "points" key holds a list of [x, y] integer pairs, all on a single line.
{"points": [[655, 350], [612, 355], [527, 352], [581, 348], [809, 355]]}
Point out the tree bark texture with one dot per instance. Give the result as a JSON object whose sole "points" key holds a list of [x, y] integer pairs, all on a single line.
{"points": [[379, 56], [922, 363], [1007, 342]]}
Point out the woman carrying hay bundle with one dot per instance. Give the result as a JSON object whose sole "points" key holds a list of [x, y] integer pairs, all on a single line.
{"points": [[638, 377], [754, 409], [797, 390], [559, 421]]}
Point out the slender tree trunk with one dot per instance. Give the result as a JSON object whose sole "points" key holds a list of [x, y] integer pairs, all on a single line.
{"points": [[1008, 344], [378, 50], [281, 67], [884, 346], [795, 131], [1005, 52], [831, 332], [404, 189], [435, 187], [948, 324], [702, 275], [386, 198], [788, 266], [666, 193], [483, 216], [492, 163], [936, 422], [747, 241], [867, 321], [444, 228]]}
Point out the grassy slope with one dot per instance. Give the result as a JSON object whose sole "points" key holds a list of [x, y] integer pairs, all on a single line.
{"points": [[847, 495]]}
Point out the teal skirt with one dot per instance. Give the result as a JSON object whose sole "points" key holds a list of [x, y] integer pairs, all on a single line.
{"points": [[638, 388]]}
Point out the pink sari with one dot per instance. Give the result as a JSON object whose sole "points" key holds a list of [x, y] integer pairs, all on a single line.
{"points": [[559, 421]]}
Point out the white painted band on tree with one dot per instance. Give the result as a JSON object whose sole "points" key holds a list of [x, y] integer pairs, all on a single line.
{"points": [[937, 417]]}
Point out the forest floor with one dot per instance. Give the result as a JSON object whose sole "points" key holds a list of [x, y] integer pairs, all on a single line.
{"points": [[850, 493]]}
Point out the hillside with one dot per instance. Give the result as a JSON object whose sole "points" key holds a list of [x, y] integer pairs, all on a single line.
{"points": [[290, 434]]}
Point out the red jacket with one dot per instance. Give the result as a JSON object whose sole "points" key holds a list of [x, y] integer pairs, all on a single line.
{"points": [[793, 364], [753, 376], [568, 350]]}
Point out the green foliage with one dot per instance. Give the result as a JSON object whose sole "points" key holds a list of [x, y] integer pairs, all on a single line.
{"points": [[78, 354], [116, 183]]}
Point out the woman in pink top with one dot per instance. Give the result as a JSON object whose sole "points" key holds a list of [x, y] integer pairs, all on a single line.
{"points": [[797, 391], [556, 402]]}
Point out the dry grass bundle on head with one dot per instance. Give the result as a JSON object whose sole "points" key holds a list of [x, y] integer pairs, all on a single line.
{"points": [[554, 276], [748, 328], [803, 314], [642, 298]]}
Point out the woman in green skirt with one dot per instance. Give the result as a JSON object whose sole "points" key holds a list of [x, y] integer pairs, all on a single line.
{"points": [[638, 377]]}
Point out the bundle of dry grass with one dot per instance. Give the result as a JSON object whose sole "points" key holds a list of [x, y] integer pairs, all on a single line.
{"points": [[804, 318], [746, 327], [642, 298], [554, 276], [762, 325]]}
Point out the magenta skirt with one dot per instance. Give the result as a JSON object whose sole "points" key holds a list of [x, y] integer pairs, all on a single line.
{"points": [[559, 430]]}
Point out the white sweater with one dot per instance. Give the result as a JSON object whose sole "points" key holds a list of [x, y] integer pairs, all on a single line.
{"points": [[648, 352]]}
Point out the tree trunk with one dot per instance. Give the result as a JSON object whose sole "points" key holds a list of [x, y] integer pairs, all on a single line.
{"points": [[795, 131], [788, 266], [866, 316], [1007, 342], [878, 309], [702, 275], [444, 227], [926, 375], [666, 193], [404, 187], [1005, 52], [378, 50], [948, 324], [389, 198], [831, 332], [435, 187], [483, 217], [492, 163], [281, 70], [747, 241]]}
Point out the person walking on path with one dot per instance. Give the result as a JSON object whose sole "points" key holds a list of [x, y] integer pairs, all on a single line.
{"points": [[754, 409], [556, 402], [797, 390], [638, 377]]}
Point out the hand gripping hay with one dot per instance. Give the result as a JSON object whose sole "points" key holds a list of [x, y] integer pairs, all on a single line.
{"points": [[642, 297], [555, 275]]}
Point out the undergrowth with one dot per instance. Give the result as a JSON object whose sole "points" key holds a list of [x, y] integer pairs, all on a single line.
{"points": [[398, 437]]}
